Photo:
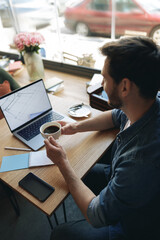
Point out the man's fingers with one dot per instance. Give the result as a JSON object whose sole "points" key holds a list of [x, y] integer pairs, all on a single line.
{"points": [[46, 141], [62, 123], [52, 141]]}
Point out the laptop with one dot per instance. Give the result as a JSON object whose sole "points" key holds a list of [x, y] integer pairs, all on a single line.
{"points": [[26, 109]]}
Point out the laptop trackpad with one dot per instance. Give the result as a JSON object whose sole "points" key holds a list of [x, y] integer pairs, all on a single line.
{"points": [[35, 143]]}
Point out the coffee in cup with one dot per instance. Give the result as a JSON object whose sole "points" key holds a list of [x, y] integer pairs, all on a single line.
{"points": [[51, 129]]}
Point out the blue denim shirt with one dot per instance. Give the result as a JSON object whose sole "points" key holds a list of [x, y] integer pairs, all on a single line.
{"points": [[132, 196]]}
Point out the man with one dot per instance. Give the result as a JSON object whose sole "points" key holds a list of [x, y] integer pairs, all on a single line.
{"points": [[128, 204]]}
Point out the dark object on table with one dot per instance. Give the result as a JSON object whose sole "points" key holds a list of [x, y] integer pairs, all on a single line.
{"points": [[98, 97], [36, 186]]}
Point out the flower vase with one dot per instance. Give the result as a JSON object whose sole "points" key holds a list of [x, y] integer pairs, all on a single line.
{"points": [[34, 65]]}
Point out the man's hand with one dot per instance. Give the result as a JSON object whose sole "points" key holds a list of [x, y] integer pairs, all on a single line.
{"points": [[99, 123], [68, 128], [80, 192], [55, 151]]}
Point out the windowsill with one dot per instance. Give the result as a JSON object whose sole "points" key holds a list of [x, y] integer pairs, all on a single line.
{"points": [[59, 66]]}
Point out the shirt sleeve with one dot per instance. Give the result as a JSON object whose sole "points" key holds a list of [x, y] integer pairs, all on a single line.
{"points": [[119, 118], [116, 117], [95, 214]]}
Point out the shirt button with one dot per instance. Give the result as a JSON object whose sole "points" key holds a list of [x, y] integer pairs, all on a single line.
{"points": [[118, 139]]}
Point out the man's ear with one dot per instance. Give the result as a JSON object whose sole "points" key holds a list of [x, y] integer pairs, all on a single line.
{"points": [[125, 87]]}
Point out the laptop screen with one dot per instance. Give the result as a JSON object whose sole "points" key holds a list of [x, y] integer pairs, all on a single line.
{"points": [[25, 104]]}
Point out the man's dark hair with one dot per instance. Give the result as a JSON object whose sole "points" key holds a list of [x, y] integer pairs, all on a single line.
{"points": [[135, 58]]}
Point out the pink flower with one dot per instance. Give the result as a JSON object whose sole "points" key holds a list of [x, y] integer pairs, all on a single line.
{"points": [[28, 41]]}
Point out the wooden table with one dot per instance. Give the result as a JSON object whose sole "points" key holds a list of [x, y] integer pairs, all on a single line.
{"points": [[83, 149]]}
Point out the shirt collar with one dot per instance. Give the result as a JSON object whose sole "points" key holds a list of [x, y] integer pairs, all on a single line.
{"points": [[131, 131]]}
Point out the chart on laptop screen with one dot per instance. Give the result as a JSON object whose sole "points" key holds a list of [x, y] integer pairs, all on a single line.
{"points": [[25, 104]]}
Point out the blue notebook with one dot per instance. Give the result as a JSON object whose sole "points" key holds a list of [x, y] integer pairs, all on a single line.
{"points": [[26, 160]]}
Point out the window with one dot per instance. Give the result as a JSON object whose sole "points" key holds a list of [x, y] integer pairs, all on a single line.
{"points": [[101, 5], [75, 29], [126, 6]]}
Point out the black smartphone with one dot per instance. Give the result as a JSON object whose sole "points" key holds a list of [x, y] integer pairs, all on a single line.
{"points": [[36, 186]]}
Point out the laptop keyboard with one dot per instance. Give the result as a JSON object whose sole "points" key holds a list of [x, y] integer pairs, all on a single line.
{"points": [[34, 129]]}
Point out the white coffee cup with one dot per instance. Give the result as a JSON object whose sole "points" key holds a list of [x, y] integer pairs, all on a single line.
{"points": [[51, 129]]}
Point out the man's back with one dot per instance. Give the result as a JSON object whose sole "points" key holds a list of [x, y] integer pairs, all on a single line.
{"points": [[133, 194]]}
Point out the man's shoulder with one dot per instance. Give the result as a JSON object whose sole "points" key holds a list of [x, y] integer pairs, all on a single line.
{"points": [[119, 118]]}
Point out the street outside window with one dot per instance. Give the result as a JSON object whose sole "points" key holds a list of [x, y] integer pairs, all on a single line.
{"points": [[75, 29]]}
